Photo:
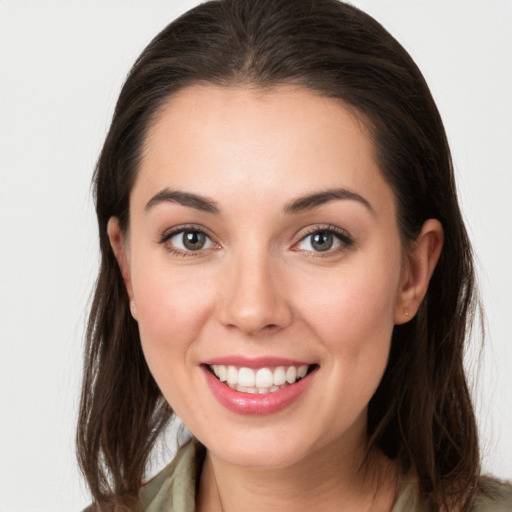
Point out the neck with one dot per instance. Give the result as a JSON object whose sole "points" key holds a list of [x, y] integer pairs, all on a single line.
{"points": [[319, 482]]}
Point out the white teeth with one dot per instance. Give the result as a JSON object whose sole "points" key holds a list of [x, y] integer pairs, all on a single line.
{"points": [[232, 375], [261, 381], [291, 374], [246, 377], [246, 389], [301, 372], [279, 376], [222, 372], [264, 378]]}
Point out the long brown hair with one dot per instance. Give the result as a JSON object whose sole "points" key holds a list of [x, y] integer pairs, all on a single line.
{"points": [[421, 415]]}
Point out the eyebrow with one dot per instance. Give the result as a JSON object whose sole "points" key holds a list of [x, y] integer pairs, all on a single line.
{"points": [[310, 202], [185, 199], [299, 205]]}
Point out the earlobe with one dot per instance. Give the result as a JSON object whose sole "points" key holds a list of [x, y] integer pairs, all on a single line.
{"points": [[421, 261], [118, 244]]}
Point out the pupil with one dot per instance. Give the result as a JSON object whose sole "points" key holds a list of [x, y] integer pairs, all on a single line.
{"points": [[322, 241], [193, 240]]}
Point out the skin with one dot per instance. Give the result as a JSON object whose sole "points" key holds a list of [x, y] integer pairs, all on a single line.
{"points": [[258, 288]]}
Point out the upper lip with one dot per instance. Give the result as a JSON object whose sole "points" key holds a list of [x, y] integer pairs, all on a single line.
{"points": [[255, 362]]}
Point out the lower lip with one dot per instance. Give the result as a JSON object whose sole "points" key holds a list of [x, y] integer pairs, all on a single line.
{"points": [[247, 403]]}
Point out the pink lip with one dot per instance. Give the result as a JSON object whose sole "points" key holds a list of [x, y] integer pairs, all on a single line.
{"points": [[249, 404], [254, 362]]}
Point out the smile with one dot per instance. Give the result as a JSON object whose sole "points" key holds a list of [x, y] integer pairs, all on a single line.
{"points": [[259, 381], [258, 386]]}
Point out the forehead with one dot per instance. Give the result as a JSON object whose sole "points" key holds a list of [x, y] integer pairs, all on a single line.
{"points": [[273, 143]]}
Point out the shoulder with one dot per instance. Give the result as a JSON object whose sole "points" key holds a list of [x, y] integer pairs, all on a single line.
{"points": [[173, 489], [494, 496]]}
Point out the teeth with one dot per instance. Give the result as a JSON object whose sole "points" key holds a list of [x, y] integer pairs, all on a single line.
{"points": [[222, 372], [279, 376], [246, 389], [263, 380], [301, 372], [246, 377], [232, 375], [291, 374]]}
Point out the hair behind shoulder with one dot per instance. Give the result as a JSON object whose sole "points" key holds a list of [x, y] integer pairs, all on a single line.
{"points": [[421, 415]]}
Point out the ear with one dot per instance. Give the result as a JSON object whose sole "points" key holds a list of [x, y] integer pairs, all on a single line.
{"points": [[119, 247], [420, 262]]}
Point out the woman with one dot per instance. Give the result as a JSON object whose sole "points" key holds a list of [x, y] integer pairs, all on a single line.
{"points": [[285, 267]]}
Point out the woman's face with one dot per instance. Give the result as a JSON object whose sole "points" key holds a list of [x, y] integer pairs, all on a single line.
{"points": [[263, 240]]}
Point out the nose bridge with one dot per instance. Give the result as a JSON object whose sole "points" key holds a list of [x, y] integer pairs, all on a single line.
{"points": [[253, 298]]}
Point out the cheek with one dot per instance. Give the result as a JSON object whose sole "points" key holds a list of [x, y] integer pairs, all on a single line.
{"points": [[172, 306], [351, 313], [353, 320], [359, 300]]}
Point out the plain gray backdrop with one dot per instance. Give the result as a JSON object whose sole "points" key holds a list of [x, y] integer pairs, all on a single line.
{"points": [[62, 64]]}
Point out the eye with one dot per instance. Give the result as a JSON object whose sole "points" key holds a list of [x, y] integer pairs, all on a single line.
{"points": [[188, 240], [324, 240]]}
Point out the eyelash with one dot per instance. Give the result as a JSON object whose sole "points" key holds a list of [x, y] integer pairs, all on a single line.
{"points": [[341, 235], [182, 229]]}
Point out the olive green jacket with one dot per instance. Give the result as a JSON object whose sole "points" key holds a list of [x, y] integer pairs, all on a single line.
{"points": [[174, 488]]}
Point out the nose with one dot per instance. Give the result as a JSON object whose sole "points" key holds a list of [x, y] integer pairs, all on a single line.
{"points": [[254, 299]]}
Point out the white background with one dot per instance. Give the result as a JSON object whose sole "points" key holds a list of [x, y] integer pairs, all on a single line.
{"points": [[62, 64]]}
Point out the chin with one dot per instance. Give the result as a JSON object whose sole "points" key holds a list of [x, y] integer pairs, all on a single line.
{"points": [[254, 457], [266, 448]]}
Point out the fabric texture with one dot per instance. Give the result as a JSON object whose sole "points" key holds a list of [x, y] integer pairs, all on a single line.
{"points": [[174, 488]]}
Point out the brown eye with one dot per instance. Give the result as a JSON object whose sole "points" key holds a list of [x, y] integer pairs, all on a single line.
{"points": [[322, 241], [193, 240], [188, 240], [325, 240]]}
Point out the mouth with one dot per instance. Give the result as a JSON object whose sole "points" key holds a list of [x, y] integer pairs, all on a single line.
{"points": [[258, 386], [260, 381]]}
